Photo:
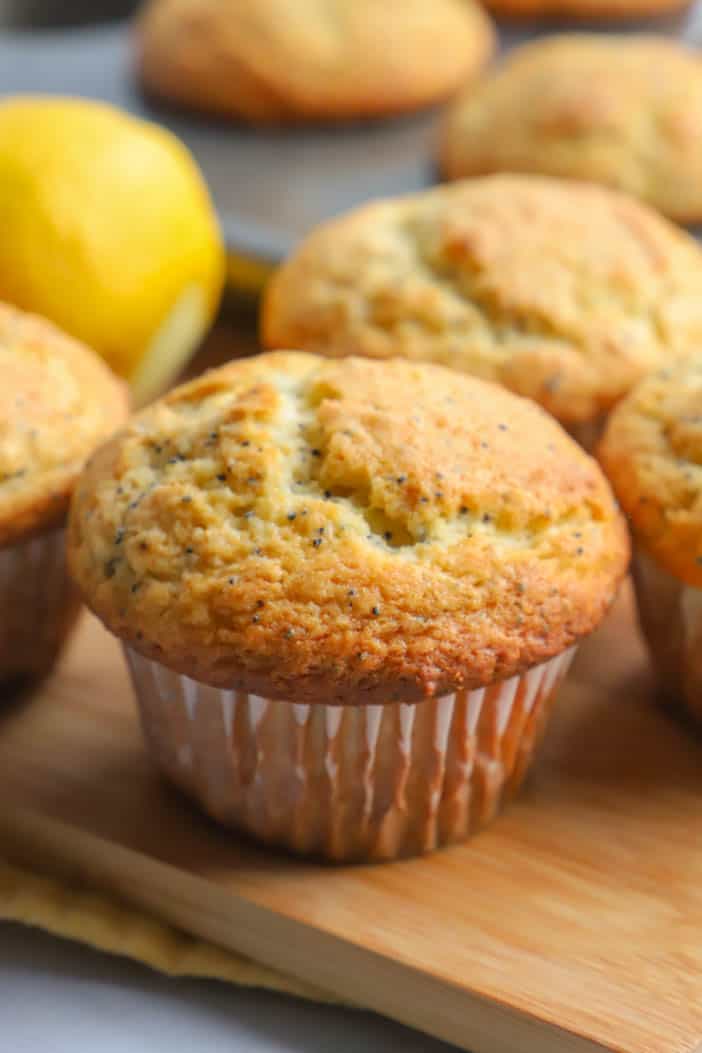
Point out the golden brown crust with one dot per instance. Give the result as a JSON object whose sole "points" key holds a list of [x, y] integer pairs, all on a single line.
{"points": [[612, 10], [311, 59], [567, 293], [345, 531], [58, 401], [623, 111], [652, 452]]}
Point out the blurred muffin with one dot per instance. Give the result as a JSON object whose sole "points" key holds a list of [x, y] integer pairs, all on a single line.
{"points": [[564, 292], [623, 111], [347, 591], [57, 403], [310, 60], [652, 452]]}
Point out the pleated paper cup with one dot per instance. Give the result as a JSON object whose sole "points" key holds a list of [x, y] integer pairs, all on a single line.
{"points": [[670, 613], [367, 782], [38, 606]]}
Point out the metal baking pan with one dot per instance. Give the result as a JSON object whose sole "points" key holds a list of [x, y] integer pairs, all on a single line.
{"points": [[270, 186]]}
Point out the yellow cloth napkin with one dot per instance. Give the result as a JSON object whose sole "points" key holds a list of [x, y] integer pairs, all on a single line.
{"points": [[112, 926]]}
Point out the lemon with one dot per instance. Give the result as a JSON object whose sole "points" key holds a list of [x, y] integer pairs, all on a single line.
{"points": [[107, 228]]}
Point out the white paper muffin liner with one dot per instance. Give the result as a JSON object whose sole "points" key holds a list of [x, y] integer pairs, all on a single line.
{"points": [[670, 613], [38, 606], [346, 782]]}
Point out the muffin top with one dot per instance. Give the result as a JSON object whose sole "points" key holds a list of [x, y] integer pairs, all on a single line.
{"points": [[58, 401], [564, 292], [345, 531], [652, 452], [277, 60], [623, 111]]}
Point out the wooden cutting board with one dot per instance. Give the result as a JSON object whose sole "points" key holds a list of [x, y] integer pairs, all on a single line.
{"points": [[574, 924]]}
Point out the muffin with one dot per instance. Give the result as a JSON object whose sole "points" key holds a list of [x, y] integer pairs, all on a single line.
{"points": [[347, 592], [589, 107], [274, 61], [564, 292], [652, 452], [57, 403]]}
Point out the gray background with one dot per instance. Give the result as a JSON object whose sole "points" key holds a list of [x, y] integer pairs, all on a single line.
{"points": [[56, 997]]}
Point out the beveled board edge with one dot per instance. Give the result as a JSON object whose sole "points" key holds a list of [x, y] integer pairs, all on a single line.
{"points": [[349, 971]]}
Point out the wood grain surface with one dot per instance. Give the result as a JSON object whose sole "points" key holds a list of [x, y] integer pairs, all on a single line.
{"points": [[573, 924]]}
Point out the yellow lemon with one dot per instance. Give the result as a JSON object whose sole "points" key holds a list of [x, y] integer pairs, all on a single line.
{"points": [[107, 228]]}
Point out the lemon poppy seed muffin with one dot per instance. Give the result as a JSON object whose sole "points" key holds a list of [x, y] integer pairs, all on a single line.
{"points": [[274, 61], [57, 403], [652, 452], [565, 292], [347, 590], [589, 107]]}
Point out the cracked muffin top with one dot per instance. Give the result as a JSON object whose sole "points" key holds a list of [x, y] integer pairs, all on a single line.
{"points": [[565, 292], [58, 401], [346, 531], [277, 60], [624, 111], [652, 452]]}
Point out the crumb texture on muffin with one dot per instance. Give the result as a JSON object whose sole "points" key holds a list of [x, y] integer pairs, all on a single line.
{"points": [[623, 111], [564, 292], [58, 401], [311, 59], [652, 452], [345, 531]]}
